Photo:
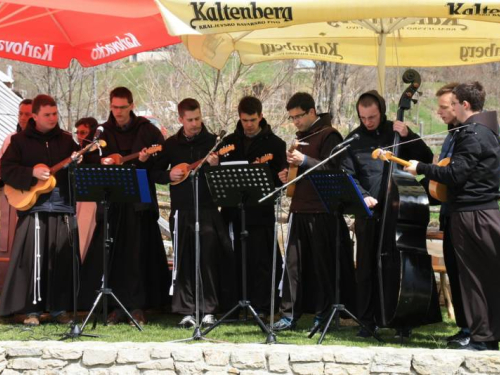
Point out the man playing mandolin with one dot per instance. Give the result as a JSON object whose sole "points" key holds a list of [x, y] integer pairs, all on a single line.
{"points": [[138, 270], [190, 145], [40, 267], [255, 142], [374, 131]]}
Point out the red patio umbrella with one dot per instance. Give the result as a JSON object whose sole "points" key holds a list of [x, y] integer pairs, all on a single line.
{"points": [[53, 32]]}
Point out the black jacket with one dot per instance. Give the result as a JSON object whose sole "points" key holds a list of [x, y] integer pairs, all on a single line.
{"points": [[248, 149], [29, 148], [178, 149], [473, 175], [322, 137], [140, 133], [368, 172]]}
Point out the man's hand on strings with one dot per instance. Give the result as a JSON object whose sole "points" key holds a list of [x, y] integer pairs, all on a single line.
{"points": [[107, 161], [370, 202], [401, 128], [75, 156], [412, 168], [176, 174], [283, 175], [41, 172], [295, 157]]}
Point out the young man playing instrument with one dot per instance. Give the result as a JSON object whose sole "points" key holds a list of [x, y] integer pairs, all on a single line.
{"points": [[309, 275], [472, 179], [138, 269], [190, 145], [255, 142], [374, 131], [40, 270]]}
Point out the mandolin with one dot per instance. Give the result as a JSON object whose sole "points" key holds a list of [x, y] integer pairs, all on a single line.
{"points": [[23, 200], [436, 190], [119, 159], [187, 168]]}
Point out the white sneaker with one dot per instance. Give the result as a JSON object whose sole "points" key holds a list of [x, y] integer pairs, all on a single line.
{"points": [[208, 320], [187, 322]]}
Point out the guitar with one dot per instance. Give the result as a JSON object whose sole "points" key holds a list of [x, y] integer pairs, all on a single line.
{"points": [[119, 159], [23, 200], [187, 168], [263, 159], [292, 170], [436, 190]]}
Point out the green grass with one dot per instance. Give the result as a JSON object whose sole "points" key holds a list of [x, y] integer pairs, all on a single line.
{"points": [[162, 328]]}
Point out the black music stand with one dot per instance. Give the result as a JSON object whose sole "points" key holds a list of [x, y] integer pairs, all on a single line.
{"points": [[106, 184], [239, 186], [340, 195]]}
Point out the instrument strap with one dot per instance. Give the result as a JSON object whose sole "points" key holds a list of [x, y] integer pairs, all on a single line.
{"points": [[175, 235], [36, 263]]}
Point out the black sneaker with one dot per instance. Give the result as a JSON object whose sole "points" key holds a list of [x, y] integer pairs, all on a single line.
{"points": [[480, 345], [460, 338], [365, 333], [284, 324]]}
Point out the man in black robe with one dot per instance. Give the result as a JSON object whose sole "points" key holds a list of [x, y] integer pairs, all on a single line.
{"points": [[374, 131], [255, 142], [40, 271], [309, 274], [138, 269], [472, 181], [190, 145]]}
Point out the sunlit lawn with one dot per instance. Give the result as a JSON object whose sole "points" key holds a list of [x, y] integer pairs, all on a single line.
{"points": [[163, 328]]}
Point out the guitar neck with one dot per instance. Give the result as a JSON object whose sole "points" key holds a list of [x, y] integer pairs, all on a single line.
{"points": [[135, 155], [196, 163]]}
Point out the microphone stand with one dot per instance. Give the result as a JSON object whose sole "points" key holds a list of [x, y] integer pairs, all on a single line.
{"points": [[197, 335], [75, 331]]}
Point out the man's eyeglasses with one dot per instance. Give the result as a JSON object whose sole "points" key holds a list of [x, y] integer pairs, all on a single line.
{"points": [[81, 132], [297, 117], [120, 106]]}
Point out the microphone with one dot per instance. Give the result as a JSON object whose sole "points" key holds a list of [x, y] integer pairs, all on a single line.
{"points": [[355, 137], [221, 135], [98, 133]]}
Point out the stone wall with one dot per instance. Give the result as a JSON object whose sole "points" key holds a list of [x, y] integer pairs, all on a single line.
{"points": [[98, 358]]}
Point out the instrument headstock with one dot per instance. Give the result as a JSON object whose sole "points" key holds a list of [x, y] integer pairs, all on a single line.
{"points": [[154, 149]]}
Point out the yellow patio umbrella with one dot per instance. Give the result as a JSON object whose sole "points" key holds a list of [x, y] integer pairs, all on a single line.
{"points": [[365, 32]]}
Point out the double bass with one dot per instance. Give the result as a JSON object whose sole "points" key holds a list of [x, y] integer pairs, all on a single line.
{"points": [[407, 287]]}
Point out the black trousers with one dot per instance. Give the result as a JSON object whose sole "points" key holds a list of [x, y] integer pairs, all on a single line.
{"points": [[476, 238], [366, 269], [309, 278], [450, 261], [259, 262], [217, 288]]}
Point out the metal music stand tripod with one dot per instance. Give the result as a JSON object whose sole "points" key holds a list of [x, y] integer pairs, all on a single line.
{"points": [[107, 184], [340, 195], [240, 186]]}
